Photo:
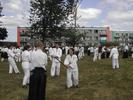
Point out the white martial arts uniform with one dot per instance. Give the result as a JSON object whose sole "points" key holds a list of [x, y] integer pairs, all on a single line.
{"points": [[66, 49], [95, 54], [92, 50], [50, 52], [55, 69], [83, 51], [126, 48], [38, 59], [114, 54], [12, 63], [18, 53], [37, 86], [80, 53], [26, 66], [99, 53], [76, 49], [32, 51], [72, 70]]}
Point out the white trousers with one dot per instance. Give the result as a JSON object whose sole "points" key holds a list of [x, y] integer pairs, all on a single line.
{"points": [[115, 63], [80, 55], [72, 78], [99, 56], [83, 54], [132, 55], [95, 57], [55, 69], [66, 51], [26, 68], [12, 66], [18, 58]]}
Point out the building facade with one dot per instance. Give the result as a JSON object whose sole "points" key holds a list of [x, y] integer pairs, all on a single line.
{"points": [[92, 36], [23, 35], [96, 35], [122, 37]]}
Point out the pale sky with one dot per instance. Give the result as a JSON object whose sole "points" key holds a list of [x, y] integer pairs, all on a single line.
{"points": [[117, 14]]}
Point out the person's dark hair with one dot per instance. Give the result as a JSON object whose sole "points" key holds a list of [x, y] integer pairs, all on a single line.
{"points": [[114, 45], [9, 46], [26, 47], [72, 50]]}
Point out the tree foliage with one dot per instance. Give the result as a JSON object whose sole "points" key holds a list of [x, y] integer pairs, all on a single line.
{"points": [[73, 36], [50, 17], [3, 31]]}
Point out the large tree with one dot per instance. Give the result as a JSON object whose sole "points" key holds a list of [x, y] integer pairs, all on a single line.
{"points": [[3, 31], [72, 33], [50, 17]]}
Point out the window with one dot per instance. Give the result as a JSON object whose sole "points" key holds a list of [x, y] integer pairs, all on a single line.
{"points": [[117, 34], [96, 37], [126, 34], [95, 31], [90, 31]]}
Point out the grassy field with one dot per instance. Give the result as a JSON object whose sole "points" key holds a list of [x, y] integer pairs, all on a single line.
{"points": [[97, 82]]}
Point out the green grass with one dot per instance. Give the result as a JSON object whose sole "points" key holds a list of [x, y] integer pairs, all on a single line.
{"points": [[97, 81]]}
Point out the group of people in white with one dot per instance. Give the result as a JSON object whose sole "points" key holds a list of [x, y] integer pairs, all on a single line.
{"points": [[27, 54], [99, 52], [73, 54], [105, 52]]}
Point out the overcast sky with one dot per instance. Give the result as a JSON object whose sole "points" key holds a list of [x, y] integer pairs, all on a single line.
{"points": [[117, 14]]}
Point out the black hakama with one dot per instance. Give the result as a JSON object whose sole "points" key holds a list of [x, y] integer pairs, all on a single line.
{"points": [[108, 53], [103, 56], [125, 54], [4, 55], [37, 84], [88, 52]]}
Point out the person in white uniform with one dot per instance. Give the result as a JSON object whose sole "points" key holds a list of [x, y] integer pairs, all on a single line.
{"points": [[72, 69], [66, 49], [80, 56], [50, 52], [99, 52], [91, 50], [114, 54], [56, 55], [76, 49], [26, 65], [18, 53], [83, 51], [95, 54], [11, 60], [37, 86]]}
